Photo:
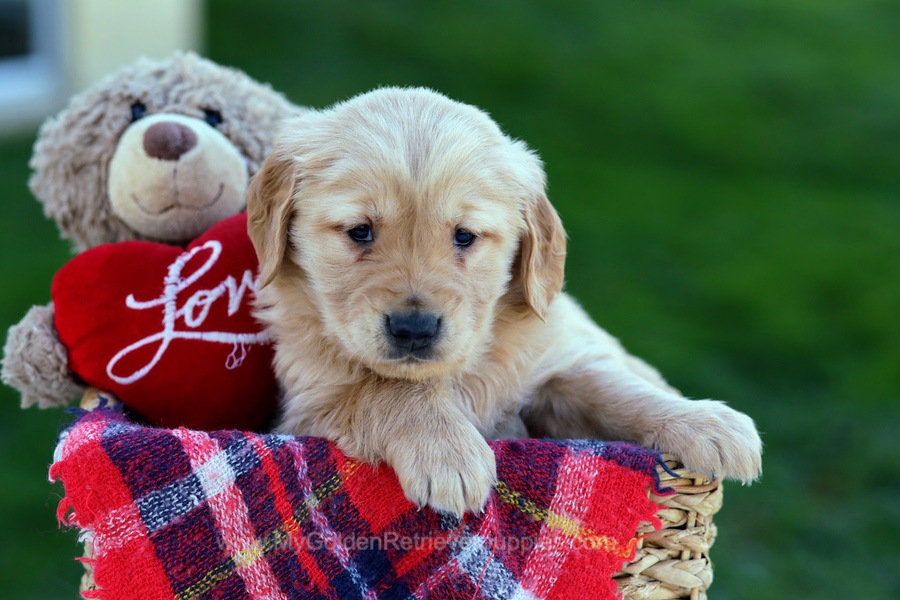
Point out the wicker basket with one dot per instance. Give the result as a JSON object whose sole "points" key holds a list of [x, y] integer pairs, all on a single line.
{"points": [[674, 561], [670, 563]]}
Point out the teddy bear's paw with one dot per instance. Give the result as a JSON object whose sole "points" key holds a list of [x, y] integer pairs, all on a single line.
{"points": [[36, 363]]}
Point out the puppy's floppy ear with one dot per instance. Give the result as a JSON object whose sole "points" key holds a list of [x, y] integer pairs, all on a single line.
{"points": [[269, 208], [542, 257]]}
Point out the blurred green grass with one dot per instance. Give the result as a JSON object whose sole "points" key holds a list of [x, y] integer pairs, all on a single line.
{"points": [[729, 174]]}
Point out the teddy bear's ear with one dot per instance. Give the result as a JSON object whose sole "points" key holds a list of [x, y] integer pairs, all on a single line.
{"points": [[270, 200], [69, 163]]}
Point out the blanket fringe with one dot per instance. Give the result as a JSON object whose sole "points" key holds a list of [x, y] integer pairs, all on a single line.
{"points": [[65, 512]]}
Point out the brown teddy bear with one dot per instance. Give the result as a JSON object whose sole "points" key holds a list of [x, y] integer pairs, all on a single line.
{"points": [[160, 151]]}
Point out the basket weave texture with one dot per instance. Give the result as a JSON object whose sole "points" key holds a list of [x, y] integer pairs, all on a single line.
{"points": [[673, 562]]}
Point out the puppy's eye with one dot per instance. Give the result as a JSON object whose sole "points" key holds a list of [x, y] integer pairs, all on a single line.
{"points": [[361, 233], [463, 238], [138, 110], [213, 117]]}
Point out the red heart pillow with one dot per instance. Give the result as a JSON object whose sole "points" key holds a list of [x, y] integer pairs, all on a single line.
{"points": [[170, 330]]}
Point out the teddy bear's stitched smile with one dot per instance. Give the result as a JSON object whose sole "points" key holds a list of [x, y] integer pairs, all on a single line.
{"points": [[176, 204]]}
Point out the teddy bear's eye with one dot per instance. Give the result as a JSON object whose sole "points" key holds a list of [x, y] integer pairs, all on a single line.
{"points": [[138, 110], [213, 117]]}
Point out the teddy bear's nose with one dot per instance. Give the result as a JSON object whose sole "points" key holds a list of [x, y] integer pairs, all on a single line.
{"points": [[168, 141]]}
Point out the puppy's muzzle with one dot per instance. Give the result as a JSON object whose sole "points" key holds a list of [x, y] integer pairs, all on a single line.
{"points": [[413, 333]]}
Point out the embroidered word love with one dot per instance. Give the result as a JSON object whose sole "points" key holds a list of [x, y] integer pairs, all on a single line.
{"points": [[154, 324], [193, 313]]}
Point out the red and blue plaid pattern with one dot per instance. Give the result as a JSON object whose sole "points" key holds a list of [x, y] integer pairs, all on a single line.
{"points": [[189, 515]]}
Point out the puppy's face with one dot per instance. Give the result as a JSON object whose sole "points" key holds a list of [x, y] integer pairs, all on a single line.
{"points": [[413, 220]]}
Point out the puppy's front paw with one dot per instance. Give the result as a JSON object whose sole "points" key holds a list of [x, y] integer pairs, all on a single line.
{"points": [[452, 471], [715, 440]]}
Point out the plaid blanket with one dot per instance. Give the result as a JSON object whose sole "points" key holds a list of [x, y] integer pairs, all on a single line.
{"points": [[182, 514]]}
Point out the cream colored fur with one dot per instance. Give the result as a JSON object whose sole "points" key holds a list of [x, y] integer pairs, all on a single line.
{"points": [[415, 166], [176, 200], [73, 153]]}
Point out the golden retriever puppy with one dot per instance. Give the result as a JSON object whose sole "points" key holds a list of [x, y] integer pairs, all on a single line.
{"points": [[411, 269]]}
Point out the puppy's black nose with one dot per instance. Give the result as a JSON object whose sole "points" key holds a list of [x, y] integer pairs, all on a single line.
{"points": [[414, 330]]}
